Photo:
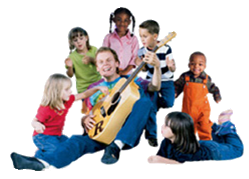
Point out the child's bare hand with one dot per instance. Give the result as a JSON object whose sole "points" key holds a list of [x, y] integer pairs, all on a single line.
{"points": [[151, 58], [69, 62], [160, 159], [87, 122], [218, 100], [104, 90], [39, 127], [86, 60], [153, 159], [170, 64]]}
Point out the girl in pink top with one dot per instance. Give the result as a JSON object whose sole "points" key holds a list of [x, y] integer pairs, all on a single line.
{"points": [[122, 41]]}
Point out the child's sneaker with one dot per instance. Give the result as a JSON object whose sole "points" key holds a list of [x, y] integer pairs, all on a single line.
{"points": [[153, 142], [22, 162], [225, 125], [225, 116]]}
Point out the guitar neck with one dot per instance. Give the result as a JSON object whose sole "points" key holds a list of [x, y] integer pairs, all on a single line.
{"points": [[132, 76]]}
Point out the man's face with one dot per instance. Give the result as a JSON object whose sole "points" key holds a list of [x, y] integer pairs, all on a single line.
{"points": [[106, 65]]}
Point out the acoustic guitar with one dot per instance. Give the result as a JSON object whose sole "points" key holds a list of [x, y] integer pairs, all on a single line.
{"points": [[111, 113]]}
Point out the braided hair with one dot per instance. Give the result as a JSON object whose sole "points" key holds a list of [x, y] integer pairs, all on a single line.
{"points": [[119, 11]]}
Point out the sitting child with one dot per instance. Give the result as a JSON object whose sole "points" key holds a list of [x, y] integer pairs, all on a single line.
{"points": [[51, 115], [149, 32]]}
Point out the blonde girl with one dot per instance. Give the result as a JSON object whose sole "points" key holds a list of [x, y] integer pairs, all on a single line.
{"points": [[49, 121]]}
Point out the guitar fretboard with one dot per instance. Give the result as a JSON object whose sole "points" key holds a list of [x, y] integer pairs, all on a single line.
{"points": [[132, 76]]}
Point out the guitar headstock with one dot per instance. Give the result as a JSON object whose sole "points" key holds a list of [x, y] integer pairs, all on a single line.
{"points": [[166, 39]]}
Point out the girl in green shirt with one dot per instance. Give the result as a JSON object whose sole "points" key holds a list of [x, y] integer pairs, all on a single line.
{"points": [[80, 61]]}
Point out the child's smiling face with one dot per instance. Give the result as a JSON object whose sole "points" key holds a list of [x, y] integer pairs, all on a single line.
{"points": [[122, 21], [197, 65]]}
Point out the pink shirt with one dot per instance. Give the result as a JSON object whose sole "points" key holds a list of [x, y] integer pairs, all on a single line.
{"points": [[126, 48]]}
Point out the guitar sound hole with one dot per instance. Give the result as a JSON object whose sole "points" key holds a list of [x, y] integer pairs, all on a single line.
{"points": [[115, 98], [115, 101]]}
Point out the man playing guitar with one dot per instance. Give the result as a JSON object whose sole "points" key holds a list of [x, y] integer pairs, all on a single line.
{"points": [[127, 137]]}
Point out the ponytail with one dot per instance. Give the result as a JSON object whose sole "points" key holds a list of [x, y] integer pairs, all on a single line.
{"points": [[133, 24], [110, 20]]}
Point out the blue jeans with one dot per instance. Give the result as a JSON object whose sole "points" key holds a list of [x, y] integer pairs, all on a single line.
{"points": [[227, 144], [167, 92], [166, 100], [151, 126], [78, 145], [47, 143]]}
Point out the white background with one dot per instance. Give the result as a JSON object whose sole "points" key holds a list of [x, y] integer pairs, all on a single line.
{"points": [[34, 45]]}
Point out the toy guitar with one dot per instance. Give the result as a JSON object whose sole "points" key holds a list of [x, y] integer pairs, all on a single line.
{"points": [[111, 113]]}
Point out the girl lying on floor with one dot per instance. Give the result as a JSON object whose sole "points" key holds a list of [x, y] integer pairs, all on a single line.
{"points": [[180, 143]]}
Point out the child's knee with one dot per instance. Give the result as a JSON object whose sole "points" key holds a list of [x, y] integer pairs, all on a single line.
{"points": [[165, 103], [170, 103]]}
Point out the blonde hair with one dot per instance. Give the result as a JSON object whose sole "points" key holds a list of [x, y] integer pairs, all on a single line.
{"points": [[52, 95]]}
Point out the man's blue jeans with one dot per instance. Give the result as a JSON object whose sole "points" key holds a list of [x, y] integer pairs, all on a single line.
{"points": [[78, 145]]}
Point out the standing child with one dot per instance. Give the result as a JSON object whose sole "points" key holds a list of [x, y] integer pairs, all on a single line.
{"points": [[180, 143], [149, 31], [122, 41], [49, 121], [81, 61], [196, 84]]}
